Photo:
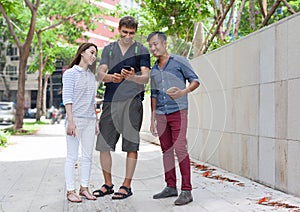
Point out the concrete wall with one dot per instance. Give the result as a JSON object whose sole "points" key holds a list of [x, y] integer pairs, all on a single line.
{"points": [[245, 117]]}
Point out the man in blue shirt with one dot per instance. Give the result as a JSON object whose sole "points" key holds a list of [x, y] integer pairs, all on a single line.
{"points": [[169, 105]]}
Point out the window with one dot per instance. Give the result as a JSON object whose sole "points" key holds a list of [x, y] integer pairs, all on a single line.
{"points": [[11, 51], [14, 58], [12, 72]]}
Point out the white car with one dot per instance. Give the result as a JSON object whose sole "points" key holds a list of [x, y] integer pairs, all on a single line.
{"points": [[7, 112]]}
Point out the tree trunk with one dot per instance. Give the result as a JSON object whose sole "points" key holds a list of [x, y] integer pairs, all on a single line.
{"points": [[40, 79], [265, 5], [51, 91], [39, 93], [46, 77], [218, 26], [251, 14], [24, 54], [262, 9], [271, 12], [21, 88], [6, 92], [229, 23], [198, 39], [238, 19]]}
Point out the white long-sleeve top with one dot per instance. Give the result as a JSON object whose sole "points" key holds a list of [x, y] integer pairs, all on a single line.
{"points": [[79, 89]]}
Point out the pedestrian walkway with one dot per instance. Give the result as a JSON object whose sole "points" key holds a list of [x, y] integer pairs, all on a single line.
{"points": [[32, 179]]}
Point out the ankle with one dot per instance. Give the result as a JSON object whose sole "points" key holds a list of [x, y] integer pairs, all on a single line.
{"points": [[82, 188], [71, 192]]}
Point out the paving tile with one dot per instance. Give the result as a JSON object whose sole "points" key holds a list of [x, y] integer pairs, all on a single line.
{"points": [[32, 179]]}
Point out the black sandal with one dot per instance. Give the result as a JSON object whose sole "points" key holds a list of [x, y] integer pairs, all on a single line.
{"points": [[99, 193], [123, 195]]}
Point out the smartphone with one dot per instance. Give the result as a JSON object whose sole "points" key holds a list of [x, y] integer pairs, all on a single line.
{"points": [[128, 68]]}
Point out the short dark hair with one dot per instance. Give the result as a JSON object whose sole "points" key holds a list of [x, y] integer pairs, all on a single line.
{"points": [[161, 36], [129, 22]]}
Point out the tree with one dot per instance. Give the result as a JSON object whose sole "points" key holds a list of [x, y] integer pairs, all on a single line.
{"points": [[3, 38], [223, 20], [52, 53], [59, 19], [76, 16], [11, 12]]}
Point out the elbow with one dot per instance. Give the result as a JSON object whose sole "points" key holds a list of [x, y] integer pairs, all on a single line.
{"points": [[146, 81]]}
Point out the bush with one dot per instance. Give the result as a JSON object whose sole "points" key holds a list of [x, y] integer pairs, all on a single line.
{"points": [[4, 137]]}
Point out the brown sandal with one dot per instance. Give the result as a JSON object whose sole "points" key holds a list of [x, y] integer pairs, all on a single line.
{"points": [[84, 191], [73, 197]]}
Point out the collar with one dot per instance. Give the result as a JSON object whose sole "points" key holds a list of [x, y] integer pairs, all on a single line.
{"points": [[80, 69]]}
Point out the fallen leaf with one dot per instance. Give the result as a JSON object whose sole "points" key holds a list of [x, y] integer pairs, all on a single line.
{"points": [[266, 201], [206, 174], [241, 184], [218, 177], [202, 167], [263, 200]]}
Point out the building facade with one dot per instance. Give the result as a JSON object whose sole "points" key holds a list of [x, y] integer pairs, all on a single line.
{"points": [[9, 63]]}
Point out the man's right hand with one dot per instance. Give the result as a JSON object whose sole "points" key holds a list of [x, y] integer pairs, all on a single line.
{"points": [[117, 78]]}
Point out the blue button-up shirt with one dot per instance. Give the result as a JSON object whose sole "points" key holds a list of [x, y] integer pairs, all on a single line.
{"points": [[174, 74]]}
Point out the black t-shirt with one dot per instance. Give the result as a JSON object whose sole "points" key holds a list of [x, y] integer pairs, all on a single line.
{"points": [[136, 55]]}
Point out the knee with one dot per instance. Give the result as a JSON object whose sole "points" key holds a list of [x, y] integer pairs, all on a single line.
{"points": [[71, 159]]}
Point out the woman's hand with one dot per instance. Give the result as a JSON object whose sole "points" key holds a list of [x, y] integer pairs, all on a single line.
{"points": [[97, 128], [71, 129]]}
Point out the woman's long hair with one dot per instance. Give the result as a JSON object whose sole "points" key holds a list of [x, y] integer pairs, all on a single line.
{"points": [[82, 48]]}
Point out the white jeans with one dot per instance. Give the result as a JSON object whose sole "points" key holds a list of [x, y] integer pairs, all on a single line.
{"points": [[85, 135]]}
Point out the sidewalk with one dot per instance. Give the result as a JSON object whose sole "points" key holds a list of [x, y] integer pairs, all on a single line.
{"points": [[32, 179]]}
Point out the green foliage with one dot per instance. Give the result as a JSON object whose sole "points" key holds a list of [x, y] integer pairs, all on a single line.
{"points": [[100, 90], [70, 18], [4, 136], [177, 17], [29, 128]]}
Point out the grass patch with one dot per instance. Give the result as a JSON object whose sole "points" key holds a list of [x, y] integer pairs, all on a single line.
{"points": [[29, 128]]}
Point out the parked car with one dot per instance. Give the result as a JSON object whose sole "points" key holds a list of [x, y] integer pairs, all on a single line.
{"points": [[7, 112]]}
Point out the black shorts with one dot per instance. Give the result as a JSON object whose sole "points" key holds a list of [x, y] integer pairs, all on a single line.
{"points": [[120, 117]]}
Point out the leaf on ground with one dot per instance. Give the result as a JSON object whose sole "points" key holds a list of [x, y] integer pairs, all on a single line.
{"points": [[266, 201], [206, 174], [202, 167], [219, 177]]}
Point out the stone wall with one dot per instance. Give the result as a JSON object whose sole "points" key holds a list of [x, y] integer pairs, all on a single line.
{"points": [[245, 117]]}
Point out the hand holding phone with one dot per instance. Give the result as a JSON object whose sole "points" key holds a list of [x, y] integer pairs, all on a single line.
{"points": [[127, 72], [128, 68]]}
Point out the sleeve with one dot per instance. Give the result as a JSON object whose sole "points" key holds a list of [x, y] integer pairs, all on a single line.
{"points": [[96, 88], [105, 55], [145, 57], [68, 87], [188, 71]]}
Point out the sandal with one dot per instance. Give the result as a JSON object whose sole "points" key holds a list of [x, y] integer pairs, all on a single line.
{"points": [[100, 193], [84, 191], [73, 197], [120, 195]]}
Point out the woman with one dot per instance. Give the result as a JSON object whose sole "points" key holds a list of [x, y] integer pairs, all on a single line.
{"points": [[79, 90]]}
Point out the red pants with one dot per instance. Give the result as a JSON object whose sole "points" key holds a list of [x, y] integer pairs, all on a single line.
{"points": [[172, 135]]}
